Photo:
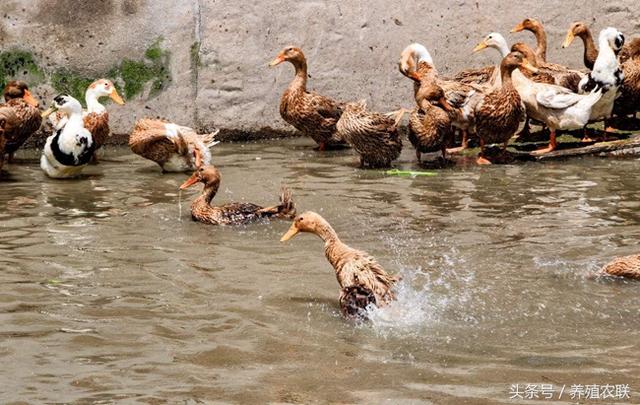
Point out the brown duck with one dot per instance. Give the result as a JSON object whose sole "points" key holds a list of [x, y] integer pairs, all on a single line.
{"points": [[234, 213], [27, 115], [6, 115], [362, 280], [562, 75], [626, 266], [430, 127], [308, 112], [373, 135], [173, 147], [500, 112]]}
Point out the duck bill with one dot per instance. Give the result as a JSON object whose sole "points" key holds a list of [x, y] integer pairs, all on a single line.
{"points": [[48, 112], [190, 181], [116, 97], [482, 45], [28, 97], [518, 28], [568, 40], [527, 65], [293, 231], [278, 60], [445, 104]]}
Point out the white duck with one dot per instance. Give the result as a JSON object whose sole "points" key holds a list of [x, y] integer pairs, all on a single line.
{"points": [[70, 148], [489, 74], [606, 74], [555, 106]]}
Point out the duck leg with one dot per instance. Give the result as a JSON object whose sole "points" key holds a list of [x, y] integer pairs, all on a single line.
{"points": [[322, 146], [481, 160], [419, 156], [463, 145], [552, 144]]}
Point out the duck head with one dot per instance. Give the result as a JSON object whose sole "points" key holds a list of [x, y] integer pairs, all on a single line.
{"points": [[577, 29], [526, 51], [613, 38], [104, 88], [494, 40], [433, 94], [291, 54], [410, 57], [529, 24], [308, 221], [515, 60], [208, 175], [19, 89], [65, 104]]}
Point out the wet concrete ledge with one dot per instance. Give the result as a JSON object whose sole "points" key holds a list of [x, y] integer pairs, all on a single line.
{"points": [[38, 139]]}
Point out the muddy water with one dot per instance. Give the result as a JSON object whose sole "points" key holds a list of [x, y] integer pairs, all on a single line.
{"points": [[110, 295]]}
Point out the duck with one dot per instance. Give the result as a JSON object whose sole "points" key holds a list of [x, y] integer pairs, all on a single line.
{"points": [[563, 76], [488, 74], [606, 73], [27, 117], [234, 213], [628, 102], [430, 128], [96, 116], [555, 106], [6, 114], [310, 113], [416, 64], [499, 113], [534, 26], [372, 135], [70, 148], [580, 30], [175, 148], [363, 282], [625, 266]]}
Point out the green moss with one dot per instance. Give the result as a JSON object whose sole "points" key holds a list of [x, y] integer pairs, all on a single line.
{"points": [[130, 76], [135, 74], [19, 64], [195, 55], [66, 81]]}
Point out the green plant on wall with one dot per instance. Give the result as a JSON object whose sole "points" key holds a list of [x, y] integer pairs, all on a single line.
{"points": [[19, 64], [129, 76]]}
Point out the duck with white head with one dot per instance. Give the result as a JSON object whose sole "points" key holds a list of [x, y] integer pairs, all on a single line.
{"points": [[606, 74], [70, 148]]}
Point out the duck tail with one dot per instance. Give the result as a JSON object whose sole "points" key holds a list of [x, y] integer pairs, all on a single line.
{"points": [[286, 208], [210, 139], [354, 301]]}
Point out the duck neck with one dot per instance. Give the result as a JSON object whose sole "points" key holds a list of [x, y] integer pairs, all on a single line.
{"points": [[541, 43], [208, 193], [503, 48], [590, 50], [505, 75], [93, 105], [300, 79]]}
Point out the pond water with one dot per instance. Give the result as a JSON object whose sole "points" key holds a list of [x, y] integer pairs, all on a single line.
{"points": [[111, 293]]}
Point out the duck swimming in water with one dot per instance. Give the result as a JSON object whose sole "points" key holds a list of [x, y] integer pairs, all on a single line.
{"points": [[625, 266], [70, 148], [26, 118], [234, 213], [362, 280]]}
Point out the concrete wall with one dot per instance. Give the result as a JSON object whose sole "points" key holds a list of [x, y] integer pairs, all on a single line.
{"points": [[219, 50]]}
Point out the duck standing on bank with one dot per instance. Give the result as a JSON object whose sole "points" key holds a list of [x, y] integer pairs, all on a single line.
{"points": [[27, 118], [70, 148], [234, 213], [363, 282], [175, 148], [606, 74], [310, 113]]}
